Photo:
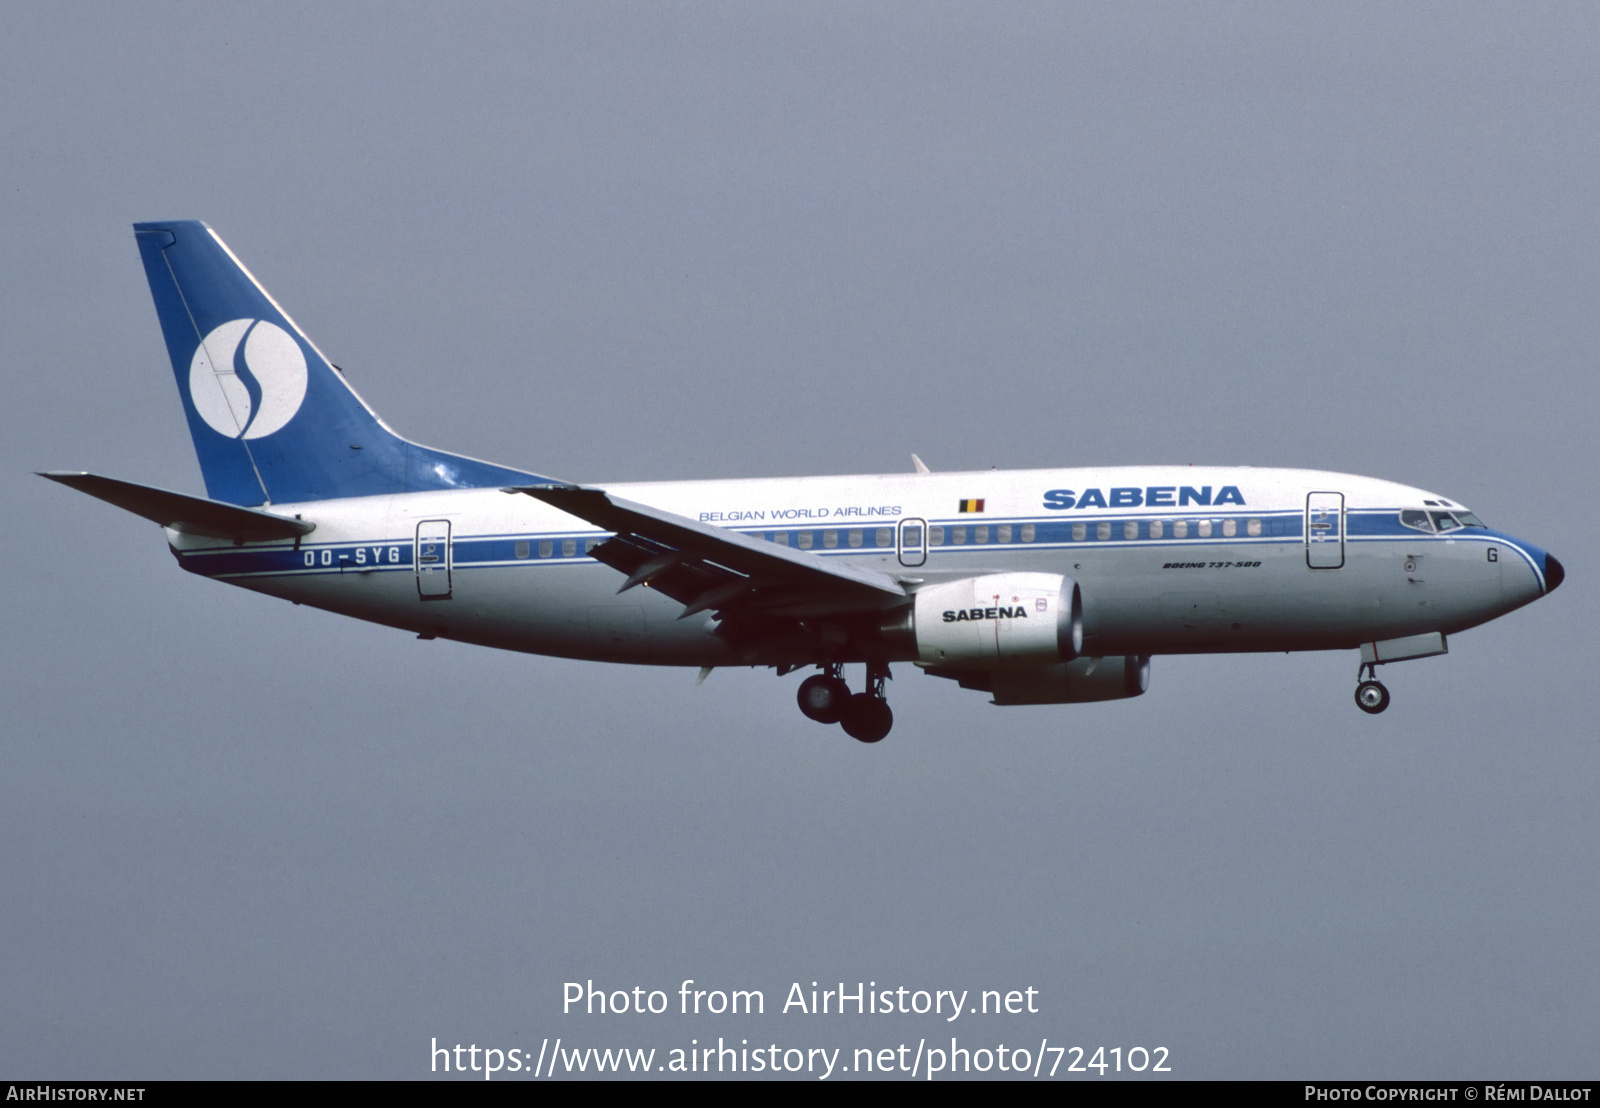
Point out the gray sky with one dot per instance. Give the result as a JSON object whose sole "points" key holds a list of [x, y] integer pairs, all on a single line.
{"points": [[689, 240]]}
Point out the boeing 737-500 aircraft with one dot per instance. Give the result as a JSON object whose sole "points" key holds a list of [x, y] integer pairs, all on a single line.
{"points": [[1036, 586]]}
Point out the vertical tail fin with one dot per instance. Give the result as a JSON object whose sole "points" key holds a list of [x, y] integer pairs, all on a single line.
{"points": [[272, 420]]}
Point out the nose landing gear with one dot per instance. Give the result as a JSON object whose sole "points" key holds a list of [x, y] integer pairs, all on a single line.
{"points": [[1371, 696], [865, 716]]}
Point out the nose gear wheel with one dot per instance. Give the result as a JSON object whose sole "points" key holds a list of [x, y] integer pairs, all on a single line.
{"points": [[1372, 697]]}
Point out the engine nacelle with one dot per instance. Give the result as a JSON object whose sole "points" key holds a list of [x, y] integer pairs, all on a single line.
{"points": [[998, 621], [1079, 681]]}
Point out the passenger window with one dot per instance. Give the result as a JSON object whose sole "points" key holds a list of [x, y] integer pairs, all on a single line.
{"points": [[522, 549], [1204, 529], [1180, 529], [1230, 527], [958, 536], [546, 548], [1080, 531], [935, 535], [1027, 532], [885, 536], [1444, 521], [569, 547], [980, 534], [1130, 530], [830, 539], [854, 536], [1411, 517], [1102, 531], [590, 544], [1253, 528], [781, 538], [1156, 528], [806, 538], [1003, 533]]}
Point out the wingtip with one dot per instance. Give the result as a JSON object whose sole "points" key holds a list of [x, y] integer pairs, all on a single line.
{"points": [[920, 465]]}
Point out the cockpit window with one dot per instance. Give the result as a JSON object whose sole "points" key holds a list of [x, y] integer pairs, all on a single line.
{"points": [[1439, 521]]}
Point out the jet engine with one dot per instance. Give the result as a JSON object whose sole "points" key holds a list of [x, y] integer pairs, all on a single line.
{"points": [[998, 621]]}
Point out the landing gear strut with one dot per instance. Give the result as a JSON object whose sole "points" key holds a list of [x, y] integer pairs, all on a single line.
{"points": [[865, 716], [1371, 696]]}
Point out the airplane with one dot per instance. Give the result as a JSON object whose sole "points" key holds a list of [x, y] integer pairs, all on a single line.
{"points": [[1051, 586]]}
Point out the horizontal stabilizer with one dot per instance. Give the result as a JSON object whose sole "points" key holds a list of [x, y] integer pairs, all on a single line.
{"points": [[189, 514]]}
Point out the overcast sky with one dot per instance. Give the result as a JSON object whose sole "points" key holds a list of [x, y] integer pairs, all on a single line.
{"points": [[629, 241]]}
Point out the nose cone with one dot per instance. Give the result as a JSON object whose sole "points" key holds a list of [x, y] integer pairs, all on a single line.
{"points": [[1554, 573]]}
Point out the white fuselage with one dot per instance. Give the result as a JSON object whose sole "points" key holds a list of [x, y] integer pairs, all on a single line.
{"points": [[1169, 559]]}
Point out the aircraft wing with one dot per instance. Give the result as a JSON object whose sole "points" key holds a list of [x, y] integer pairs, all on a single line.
{"points": [[190, 514], [709, 568]]}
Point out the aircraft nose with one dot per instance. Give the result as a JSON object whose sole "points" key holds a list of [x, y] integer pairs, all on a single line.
{"points": [[1554, 573]]}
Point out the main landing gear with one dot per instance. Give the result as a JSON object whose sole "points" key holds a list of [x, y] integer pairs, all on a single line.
{"points": [[1371, 696], [822, 696], [826, 698]]}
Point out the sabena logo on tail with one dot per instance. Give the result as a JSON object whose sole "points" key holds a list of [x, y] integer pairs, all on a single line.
{"points": [[248, 378]]}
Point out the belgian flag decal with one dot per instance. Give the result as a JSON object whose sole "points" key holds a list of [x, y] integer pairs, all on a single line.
{"points": [[972, 505]]}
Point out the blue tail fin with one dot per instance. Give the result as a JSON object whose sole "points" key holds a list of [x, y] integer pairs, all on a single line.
{"points": [[272, 420]]}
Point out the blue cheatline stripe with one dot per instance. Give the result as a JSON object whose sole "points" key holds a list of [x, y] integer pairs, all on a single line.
{"points": [[370, 557], [1050, 533]]}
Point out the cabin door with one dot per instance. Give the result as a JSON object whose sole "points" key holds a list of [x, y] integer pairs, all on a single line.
{"points": [[432, 559], [1325, 530]]}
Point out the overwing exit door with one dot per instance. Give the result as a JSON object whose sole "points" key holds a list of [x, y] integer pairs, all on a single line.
{"points": [[432, 559], [913, 542], [1325, 530]]}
